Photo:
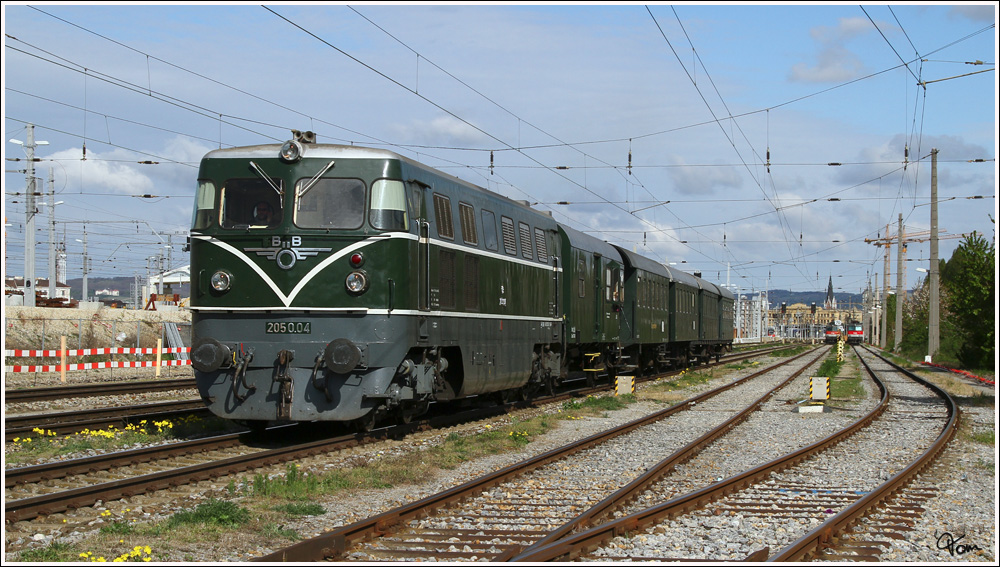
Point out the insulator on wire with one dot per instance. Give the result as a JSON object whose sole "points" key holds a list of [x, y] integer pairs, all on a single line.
{"points": [[491, 162]]}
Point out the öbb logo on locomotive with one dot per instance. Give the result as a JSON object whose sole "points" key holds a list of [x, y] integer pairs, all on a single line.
{"points": [[285, 252], [376, 285]]}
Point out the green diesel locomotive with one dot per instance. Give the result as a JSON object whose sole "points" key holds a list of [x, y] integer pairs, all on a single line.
{"points": [[352, 284]]}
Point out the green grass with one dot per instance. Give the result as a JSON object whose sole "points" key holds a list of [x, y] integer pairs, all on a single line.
{"points": [[598, 404], [53, 553], [42, 444], [221, 513], [984, 437]]}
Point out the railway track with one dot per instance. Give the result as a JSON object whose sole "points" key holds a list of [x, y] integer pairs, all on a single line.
{"points": [[217, 456], [68, 422], [495, 516], [793, 508], [482, 519], [96, 389]]}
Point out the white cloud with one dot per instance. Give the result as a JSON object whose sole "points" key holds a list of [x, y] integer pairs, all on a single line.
{"points": [[111, 172], [834, 61]]}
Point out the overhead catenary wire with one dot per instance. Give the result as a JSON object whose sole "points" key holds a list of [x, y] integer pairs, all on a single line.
{"points": [[591, 165]]}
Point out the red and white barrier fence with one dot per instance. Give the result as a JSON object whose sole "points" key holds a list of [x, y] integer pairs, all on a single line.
{"points": [[91, 351], [63, 354]]}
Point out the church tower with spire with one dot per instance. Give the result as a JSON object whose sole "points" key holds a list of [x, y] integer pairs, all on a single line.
{"points": [[831, 302]]}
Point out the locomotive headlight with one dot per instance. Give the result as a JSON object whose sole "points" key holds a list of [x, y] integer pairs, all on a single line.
{"points": [[356, 282], [222, 280], [291, 151]]}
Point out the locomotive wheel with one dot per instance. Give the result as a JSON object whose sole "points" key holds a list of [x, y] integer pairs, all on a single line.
{"points": [[511, 395], [365, 424], [406, 412], [524, 394], [550, 386]]}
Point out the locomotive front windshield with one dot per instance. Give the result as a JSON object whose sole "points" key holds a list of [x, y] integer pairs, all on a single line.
{"points": [[243, 204], [330, 203], [319, 203]]}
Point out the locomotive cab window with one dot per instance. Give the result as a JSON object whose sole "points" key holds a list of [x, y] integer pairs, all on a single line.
{"points": [[204, 205], [250, 203], [330, 203], [490, 230], [388, 206]]}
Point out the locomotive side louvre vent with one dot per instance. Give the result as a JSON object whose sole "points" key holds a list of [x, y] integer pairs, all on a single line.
{"points": [[468, 217], [527, 250], [446, 277], [507, 226], [442, 213], [541, 246], [471, 283]]}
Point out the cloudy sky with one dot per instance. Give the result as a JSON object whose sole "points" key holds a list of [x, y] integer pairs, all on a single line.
{"points": [[700, 135]]}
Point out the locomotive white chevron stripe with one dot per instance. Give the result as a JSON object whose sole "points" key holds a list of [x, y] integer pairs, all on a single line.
{"points": [[287, 299]]}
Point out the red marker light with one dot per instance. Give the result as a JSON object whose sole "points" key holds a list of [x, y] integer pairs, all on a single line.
{"points": [[357, 259]]}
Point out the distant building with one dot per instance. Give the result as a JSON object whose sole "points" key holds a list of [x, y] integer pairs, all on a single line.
{"points": [[108, 292], [15, 286], [830, 304]]}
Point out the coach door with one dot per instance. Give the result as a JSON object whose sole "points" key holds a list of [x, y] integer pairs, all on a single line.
{"points": [[598, 296]]}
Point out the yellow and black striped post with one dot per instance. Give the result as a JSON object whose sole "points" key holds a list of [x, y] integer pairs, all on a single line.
{"points": [[819, 388], [624, 385]]}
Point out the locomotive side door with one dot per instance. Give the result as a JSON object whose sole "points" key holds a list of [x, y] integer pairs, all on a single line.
{"points": [[423, 272]]}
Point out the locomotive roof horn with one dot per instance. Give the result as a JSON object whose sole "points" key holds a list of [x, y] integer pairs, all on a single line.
{"points": [[306, 137]]}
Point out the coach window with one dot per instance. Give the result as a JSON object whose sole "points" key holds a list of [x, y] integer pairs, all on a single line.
{"points": [[467, 215], [330, 203], [581, 268], [204, 205], [490, 230], [442, 214], [388, 205], [244, 202], [617, 284]]}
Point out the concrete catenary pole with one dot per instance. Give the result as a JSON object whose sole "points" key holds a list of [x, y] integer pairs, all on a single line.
{"points": [[52, 234], [885, 293], [29, 221], [900, 300], [86, 269], [933, 323]]}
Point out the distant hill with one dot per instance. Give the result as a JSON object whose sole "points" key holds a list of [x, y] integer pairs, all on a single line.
{"points": [[776, 296]]}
